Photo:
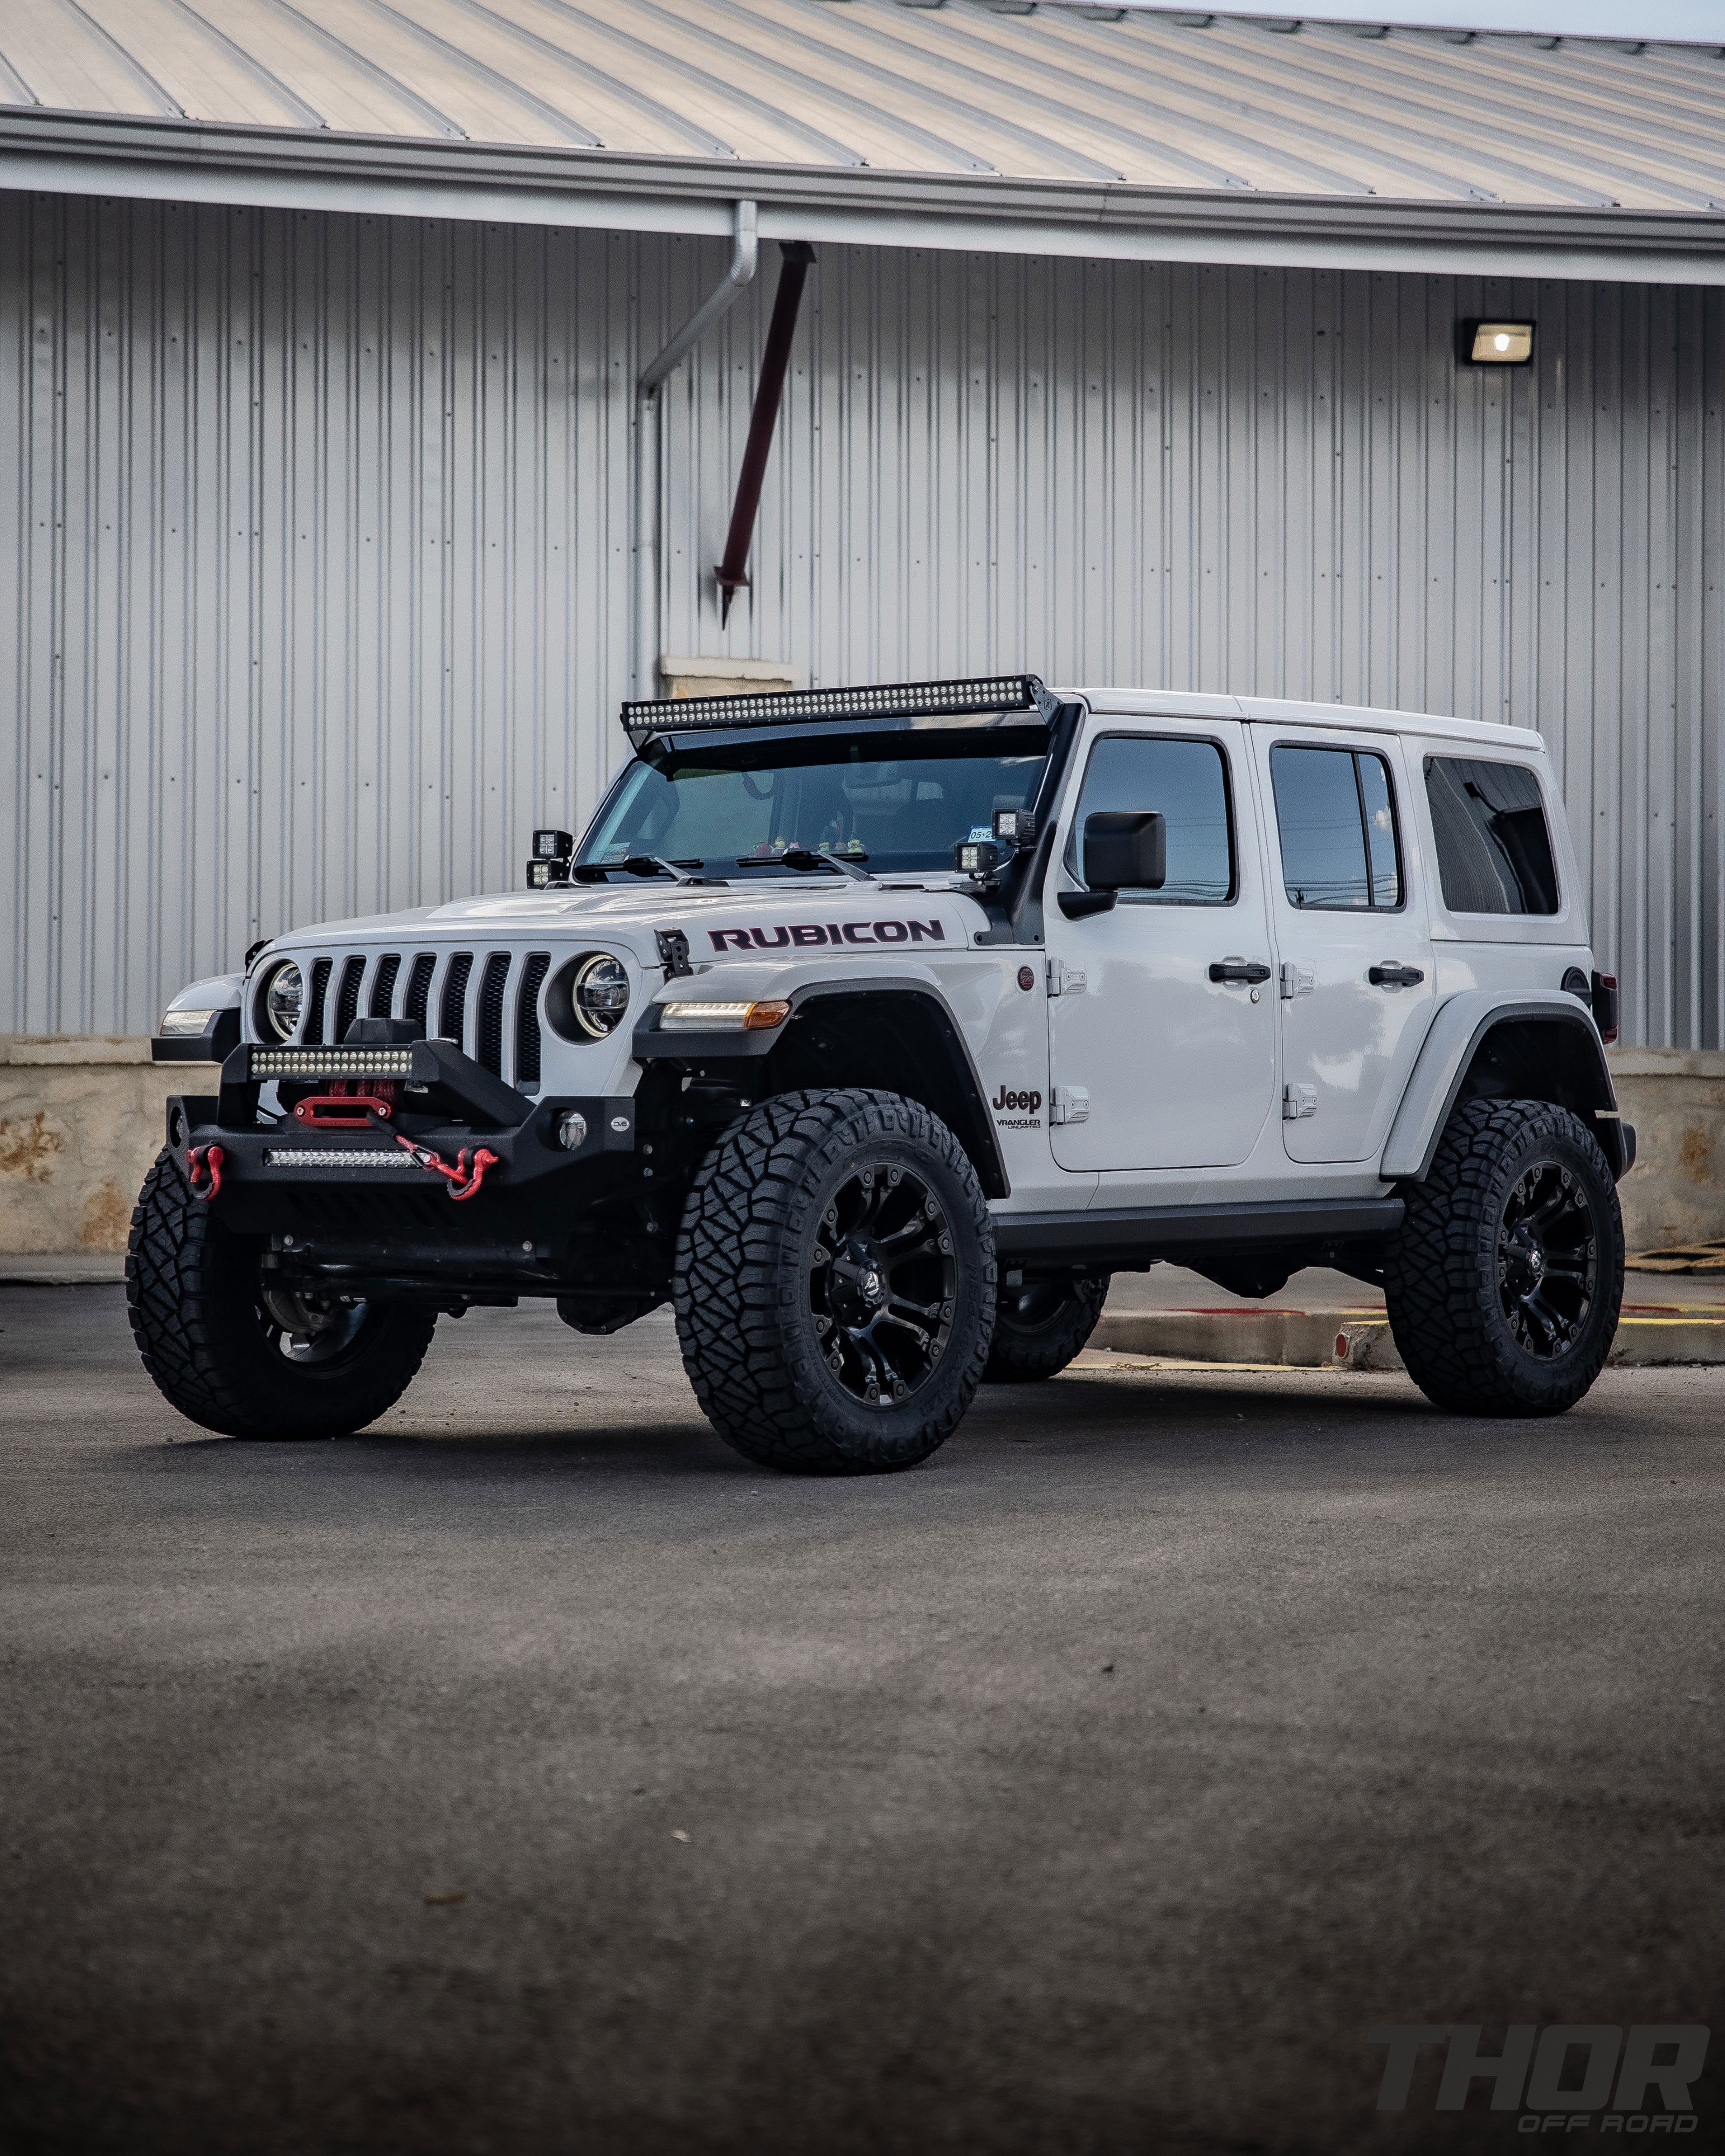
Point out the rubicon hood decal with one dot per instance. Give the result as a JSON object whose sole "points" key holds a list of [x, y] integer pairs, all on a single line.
{"points": [[802, 934]]}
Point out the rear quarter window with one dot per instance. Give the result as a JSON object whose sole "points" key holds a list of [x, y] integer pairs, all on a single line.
{"points": [[1493, 843]]}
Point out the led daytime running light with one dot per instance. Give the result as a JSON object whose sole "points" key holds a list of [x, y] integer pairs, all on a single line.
{"points": [[724, 1017]]}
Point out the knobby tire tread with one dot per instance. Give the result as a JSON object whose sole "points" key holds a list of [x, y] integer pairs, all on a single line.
{"points": [[753, 1191], [1440, 1279]]}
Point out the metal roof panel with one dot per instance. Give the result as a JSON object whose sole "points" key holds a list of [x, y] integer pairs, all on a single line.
{"points": [[868, 89]]}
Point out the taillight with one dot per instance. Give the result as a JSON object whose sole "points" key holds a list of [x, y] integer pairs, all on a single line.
{"points": [[1606, 1005]]}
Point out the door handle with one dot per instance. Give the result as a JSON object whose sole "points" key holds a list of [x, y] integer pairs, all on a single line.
{"points": [[1394, 975], [1247, 972]]}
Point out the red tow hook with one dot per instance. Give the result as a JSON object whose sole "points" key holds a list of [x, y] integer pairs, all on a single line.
{"points": [[204, 1163], [464, 1178]]}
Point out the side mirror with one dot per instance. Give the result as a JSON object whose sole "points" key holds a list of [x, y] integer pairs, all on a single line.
{"points": [[1126, 850]]}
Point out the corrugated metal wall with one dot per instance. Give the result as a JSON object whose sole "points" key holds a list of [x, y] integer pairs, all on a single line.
{"points": [[314, 570]]}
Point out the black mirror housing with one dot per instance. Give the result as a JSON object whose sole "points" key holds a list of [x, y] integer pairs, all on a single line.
{"points": [[1126, 850]]}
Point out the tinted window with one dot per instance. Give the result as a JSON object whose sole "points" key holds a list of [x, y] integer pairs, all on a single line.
{"points": [[1187, 781], [1493, 849], [1336, 815]]}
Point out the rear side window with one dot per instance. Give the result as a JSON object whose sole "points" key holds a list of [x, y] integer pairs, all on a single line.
{"points": [[1493, 846], [1335, 814], [1188, 781]]}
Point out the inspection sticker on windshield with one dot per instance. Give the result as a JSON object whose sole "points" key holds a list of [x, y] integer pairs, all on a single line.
{"points": [[979, 831]]}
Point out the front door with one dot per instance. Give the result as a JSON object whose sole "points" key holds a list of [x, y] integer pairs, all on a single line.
{"points": [[1356, 987], [1163, 1021]]}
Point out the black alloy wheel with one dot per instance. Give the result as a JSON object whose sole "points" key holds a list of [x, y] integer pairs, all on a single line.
{"points": [[307, 1330], [1548, 1259], [1505, 1279], [881, 1284], [834, 1282]]}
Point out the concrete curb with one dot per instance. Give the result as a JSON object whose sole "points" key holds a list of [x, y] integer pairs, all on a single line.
{"points": [[1360, 1339]]}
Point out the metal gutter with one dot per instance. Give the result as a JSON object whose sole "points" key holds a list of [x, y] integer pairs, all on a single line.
{"points": [[187, 160], [744, 259]]}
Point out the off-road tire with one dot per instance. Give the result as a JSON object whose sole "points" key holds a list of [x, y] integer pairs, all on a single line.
{"points": [[749, 1249], [1040, 1326], [1442, 1278], [191, 1294]]}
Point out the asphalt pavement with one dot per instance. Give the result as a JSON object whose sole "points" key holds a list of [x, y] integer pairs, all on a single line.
{"points": [[528, 1774]]}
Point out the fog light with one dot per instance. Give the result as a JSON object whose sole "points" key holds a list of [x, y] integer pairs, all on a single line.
{"points": [[572, 1130]]}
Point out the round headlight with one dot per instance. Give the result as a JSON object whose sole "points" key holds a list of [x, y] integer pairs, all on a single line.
{"points": [[601, 995], [282, 1002]]}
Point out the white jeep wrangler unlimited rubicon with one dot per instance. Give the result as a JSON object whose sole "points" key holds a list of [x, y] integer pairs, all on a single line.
{"points": [[875, 1028]]}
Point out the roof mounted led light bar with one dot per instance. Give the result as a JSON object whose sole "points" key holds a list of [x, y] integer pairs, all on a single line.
{"points": [[901, 699]]}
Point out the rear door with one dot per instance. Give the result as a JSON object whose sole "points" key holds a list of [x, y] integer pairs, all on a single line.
{"points": [[1157, 1062], [1355, 984]]}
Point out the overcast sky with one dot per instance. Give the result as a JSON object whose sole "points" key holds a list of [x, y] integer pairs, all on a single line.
{"points": [[1703, 20]]}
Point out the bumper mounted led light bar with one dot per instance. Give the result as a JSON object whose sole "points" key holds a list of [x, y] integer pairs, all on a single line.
{"points": [[332, 1063]]}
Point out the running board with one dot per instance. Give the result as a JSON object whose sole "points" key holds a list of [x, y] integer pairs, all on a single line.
{"points": [[1161, 1230]]}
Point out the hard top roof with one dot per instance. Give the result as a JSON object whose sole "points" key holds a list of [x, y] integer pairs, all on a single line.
{"points": [[1293, 711]]}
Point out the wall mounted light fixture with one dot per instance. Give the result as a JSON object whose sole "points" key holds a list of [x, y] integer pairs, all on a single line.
{"points": [[1496, 344]]}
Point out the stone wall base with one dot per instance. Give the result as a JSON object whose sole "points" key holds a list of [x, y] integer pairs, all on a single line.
{"points": [[81, 1118]]}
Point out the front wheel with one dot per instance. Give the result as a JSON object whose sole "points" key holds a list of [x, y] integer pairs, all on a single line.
{"points": [[834, 1283], [1505, 1282], [238, 1353]]}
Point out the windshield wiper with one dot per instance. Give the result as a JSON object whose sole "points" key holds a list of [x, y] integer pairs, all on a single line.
{"points": [[800, 859], [642, 864]]}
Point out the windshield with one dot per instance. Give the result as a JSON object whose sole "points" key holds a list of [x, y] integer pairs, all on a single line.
{"points": [[723, 805]]}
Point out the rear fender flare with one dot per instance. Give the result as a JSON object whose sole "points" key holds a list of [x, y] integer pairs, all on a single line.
{"points": [[1547, 1038]]}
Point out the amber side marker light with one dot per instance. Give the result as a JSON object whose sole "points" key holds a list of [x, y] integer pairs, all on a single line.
{"points": [[1497, 344]]}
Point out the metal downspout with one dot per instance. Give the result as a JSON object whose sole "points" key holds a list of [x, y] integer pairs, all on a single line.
{"points": [[745, 255]]}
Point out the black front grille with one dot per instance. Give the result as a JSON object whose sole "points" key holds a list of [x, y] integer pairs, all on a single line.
{"points": [[312, 1033], [383, 983], [490, 1049], [452, 1016], [348, 997], [526, 1019], [419, 994]]}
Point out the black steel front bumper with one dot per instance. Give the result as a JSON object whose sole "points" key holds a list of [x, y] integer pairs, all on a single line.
{"points": [[357, 1202]]}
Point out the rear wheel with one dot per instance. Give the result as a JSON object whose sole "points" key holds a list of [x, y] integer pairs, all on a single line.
{"points": [[834, 1283], [1506, 1280], [1040, 1325], [240, 1354]]}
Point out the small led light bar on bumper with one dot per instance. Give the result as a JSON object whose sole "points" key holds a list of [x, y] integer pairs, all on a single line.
{"points": [[300, 1063]]}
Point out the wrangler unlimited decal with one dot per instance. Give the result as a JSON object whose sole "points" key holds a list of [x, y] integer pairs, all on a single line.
{"points": [[780, 937]]}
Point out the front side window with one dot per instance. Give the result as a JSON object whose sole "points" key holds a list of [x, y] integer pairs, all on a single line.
{"points": [[1335, 812], [1186, 782], [1493, 846]]}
